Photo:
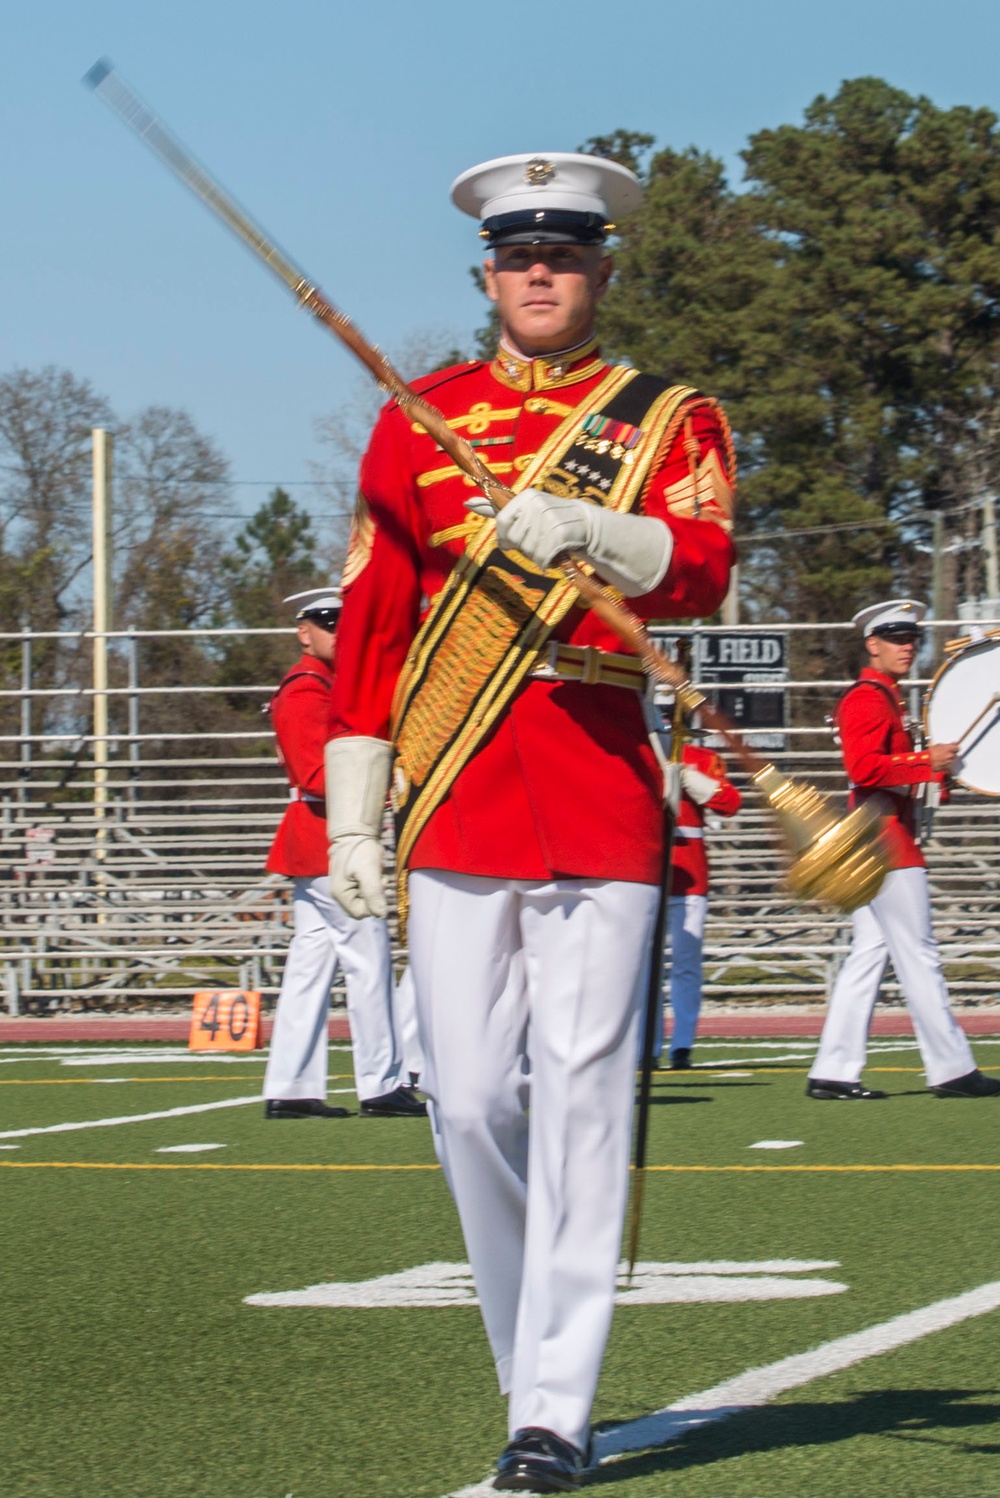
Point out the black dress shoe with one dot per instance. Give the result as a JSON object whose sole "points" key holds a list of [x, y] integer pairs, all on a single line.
{"points": [[302, 1107], [850, 1092], [973, 1084], [539, 1461], [680, 1060], [402, 1102]]}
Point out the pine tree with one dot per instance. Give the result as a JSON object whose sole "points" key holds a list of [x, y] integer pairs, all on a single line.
{"points": [[273, 556], [846, 309]]}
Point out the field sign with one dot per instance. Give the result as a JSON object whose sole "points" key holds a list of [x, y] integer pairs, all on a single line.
{"points": [[226, 1019], [738, 666], [39, 846]]}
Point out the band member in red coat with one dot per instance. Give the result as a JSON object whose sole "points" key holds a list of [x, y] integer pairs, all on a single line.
{"points": [[880, 757], [527, 794], [295, 1080], [704, 788]]}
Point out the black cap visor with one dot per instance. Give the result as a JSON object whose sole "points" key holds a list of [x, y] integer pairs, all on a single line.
{"points": [[325, 618], [899, 634], [545, 226]]}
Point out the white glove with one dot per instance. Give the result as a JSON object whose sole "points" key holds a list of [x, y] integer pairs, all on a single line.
{"points": [[699, 786], [357, 783], [632, 552]]}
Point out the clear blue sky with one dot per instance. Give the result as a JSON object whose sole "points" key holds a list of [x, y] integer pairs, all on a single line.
{"points": [[340, 127]]}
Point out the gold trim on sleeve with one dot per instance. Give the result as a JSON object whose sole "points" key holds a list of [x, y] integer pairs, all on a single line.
{"points": [[362, 539]]}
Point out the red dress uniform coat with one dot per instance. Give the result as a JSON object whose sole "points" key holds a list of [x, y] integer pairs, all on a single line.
{"points": [[299, 712], [689, 862], [879, 756], [566, 785]]}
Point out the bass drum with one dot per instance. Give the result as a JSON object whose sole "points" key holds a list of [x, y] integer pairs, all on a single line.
{"points": [[963, 704]]}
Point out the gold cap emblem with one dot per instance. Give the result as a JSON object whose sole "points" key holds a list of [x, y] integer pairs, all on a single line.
{"points": [[538, 171]]}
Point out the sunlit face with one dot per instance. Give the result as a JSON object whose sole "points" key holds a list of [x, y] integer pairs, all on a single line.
{"points": [[316, 640], [892, 656], [547, 294]]}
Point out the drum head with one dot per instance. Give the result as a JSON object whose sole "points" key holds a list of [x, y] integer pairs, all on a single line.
{"points": [[963, 703]]}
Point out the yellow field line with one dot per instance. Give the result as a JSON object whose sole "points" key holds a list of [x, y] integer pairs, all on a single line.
{"points": [[675, 1169], [799, 1169], [671, 1079], [691, 1079]]}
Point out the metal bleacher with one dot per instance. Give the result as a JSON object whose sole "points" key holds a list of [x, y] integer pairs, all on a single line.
{"points": [[133, 877], [761, 945]]}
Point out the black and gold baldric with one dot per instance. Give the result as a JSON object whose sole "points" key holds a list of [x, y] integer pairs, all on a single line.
{"points": [[489, 626]]}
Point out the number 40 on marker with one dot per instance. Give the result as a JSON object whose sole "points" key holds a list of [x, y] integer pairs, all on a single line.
{"points": [[226, 1019]]}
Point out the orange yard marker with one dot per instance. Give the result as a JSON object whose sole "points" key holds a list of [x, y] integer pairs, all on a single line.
{"points": [[226, 1019]]}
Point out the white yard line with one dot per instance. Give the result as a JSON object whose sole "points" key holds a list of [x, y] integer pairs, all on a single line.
{"points": [[128, 1118], [174, 1058], [120, 1056], [162, 1058], [802, 1053], [759, 1386]]}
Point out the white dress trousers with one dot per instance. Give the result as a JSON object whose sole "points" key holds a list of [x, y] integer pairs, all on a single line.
{"points": [[405, 1010], [686, 916], [896, 925], [327, 937], [528, 996], [682, 970]]}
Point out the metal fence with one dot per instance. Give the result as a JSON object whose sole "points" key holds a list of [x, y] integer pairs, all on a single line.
{"points": [[133, 861]]}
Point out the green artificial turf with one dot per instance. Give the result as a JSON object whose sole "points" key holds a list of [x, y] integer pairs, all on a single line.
{"points": [[132, 1365]]}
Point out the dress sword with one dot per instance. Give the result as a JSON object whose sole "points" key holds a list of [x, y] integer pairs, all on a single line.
{"points": [[654, 984]]}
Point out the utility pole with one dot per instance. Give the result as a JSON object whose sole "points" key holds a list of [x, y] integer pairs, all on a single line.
{"points": [[990, 551], [937, 565], [731, 602], [103, 443]]}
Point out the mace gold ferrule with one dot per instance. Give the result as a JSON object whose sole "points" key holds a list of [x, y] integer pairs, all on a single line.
{"points": [[840, 860]]}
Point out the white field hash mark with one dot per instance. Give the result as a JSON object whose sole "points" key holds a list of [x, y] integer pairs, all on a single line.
{"points": [[187, 1149], [652, 1284], [758, 1386], [128, 1118]]}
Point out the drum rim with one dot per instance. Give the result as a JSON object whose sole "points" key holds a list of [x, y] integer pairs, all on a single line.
{"points": [[991, 641]]}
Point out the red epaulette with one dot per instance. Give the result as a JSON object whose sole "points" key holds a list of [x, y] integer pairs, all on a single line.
{"points": [[294, 676], [866, 681], [438, 377]]}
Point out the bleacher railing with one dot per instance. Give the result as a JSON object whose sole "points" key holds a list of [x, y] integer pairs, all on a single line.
{"points": [[133, 871]]}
